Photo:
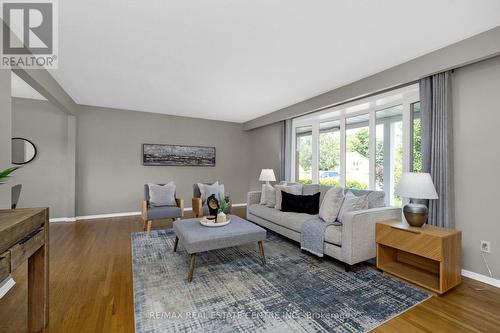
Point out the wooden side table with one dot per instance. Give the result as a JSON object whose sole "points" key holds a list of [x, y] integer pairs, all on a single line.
{"points": [[429, 256], [24, 235]]}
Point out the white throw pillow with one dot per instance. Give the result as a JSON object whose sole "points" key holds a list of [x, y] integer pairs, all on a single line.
{"points": [[331, 204], [162, 195], [270, 196], [352, 203], [292, 189], [207, 190], [263, 195]]}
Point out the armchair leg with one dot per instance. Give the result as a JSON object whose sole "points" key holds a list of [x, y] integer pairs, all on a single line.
{"points": [[145, 225], [347, 267], [149, 226]]}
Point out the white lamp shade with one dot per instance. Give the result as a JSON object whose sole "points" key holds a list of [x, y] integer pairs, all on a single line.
{"points": [[416, 185], [267, 175]]}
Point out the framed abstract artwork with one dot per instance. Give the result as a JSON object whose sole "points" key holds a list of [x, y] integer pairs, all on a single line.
{"points": [[177, 155]]}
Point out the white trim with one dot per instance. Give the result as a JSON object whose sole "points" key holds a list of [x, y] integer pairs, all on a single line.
{"points": [[62, 219], [481, 278], [105, 216], [6, 285]]}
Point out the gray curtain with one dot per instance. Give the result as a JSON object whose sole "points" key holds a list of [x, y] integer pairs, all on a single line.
{"points": [[286, 150], [437, 145]]}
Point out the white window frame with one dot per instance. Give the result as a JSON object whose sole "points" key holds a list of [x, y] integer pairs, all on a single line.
{"points": [[403, 96]]}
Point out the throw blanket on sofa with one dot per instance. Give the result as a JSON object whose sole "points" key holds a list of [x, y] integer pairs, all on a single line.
{"points": [[312, 235]]}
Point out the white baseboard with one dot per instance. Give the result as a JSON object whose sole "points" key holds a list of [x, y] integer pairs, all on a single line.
{"points": [[63, 219], [481, 278], [105, 216]]}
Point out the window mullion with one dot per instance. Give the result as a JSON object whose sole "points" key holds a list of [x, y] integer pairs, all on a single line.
{"points": [[406, 135], [315, 153], [371, 149], [342, 150]]}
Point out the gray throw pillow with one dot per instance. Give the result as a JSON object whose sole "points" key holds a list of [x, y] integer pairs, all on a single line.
{"points": [[269, 195], [331, 204], [207, 190], [352, 203], [162, 195], [376, 199], [292, 189]]}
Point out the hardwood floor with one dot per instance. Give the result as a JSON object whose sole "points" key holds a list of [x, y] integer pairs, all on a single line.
{"points": [[91, 288]]}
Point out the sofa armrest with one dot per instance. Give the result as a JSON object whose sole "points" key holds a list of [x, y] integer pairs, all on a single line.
{"points": [[358, 232], [180, 204], [144, 210], [253, 197], [197, 207]]}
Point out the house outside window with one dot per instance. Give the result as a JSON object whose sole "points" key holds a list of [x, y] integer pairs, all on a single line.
{"points": [[365, 144]]}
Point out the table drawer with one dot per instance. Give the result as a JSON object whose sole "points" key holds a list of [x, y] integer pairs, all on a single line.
{"points": [[4, 265], [26, 247], [415, 242]]}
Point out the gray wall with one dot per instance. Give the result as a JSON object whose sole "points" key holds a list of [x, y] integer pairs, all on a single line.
{"points": [[476, 111], [48, 181], [110, 175], [265, 153], [5, 135]]}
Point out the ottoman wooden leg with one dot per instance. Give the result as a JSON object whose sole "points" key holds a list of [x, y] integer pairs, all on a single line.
{"points": [[191, 267], [261, 252], [175, 243]]}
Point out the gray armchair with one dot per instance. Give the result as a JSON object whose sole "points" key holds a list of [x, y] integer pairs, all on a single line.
{"points": [[150, 213], [200, 208]]}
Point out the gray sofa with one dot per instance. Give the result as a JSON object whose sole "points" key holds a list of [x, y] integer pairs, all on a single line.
{"points": [[351, 243]]}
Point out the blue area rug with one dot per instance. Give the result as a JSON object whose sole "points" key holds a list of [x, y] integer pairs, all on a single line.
{"points": [[232, 292]]}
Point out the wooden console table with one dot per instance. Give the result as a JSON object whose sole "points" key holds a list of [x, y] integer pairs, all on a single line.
{"points": [[427, 256], [24, 235]]}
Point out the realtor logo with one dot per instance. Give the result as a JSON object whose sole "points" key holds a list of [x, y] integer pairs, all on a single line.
{"points": [[29, 34]]}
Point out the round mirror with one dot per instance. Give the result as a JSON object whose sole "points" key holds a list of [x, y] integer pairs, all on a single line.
{"points": [[23, 151]]}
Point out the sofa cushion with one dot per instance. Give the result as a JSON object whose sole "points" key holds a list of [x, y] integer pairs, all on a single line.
{"points": [[310, 189], [294, 221], [375, 198], [308, 204], [293, 189], [330, 207], [165, 212], [269, 195], [352, 203]]}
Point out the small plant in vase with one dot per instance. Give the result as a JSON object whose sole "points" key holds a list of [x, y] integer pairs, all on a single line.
{"points": [[6, 173], [223, 204]]}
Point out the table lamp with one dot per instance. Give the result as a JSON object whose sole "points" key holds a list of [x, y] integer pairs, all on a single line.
{"points": [[267, 175], [418, 187]]}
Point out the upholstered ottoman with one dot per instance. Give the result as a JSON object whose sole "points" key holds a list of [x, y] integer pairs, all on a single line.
{"points": [[197, 238]]}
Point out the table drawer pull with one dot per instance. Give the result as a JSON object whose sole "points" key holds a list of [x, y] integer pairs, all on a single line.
{"points": [[4, 265], [26, 247]]}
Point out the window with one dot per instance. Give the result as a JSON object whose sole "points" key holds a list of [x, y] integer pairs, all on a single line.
{"points": [[389, 151], [365, 144], [304, 155], [357, 137], [416, 158], [329, 153]]}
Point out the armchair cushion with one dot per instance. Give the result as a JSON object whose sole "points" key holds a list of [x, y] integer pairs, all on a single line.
{"points": [[164, 212], [162, 195], [206, 190]]}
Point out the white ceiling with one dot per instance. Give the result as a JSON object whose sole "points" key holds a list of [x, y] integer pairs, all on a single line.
{"points": [[236, 60], [19, 88]]}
